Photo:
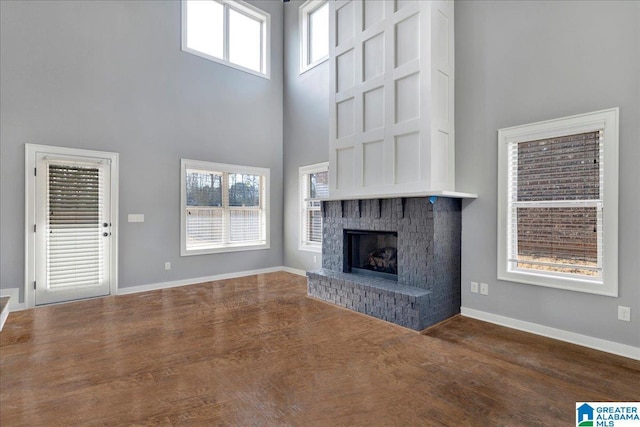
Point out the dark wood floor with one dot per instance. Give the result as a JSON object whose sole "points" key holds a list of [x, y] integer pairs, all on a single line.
{"points": [[257, 351]]}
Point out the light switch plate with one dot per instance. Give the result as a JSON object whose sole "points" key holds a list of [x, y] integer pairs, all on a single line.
{"points": [[484, 289], [136, 218]]}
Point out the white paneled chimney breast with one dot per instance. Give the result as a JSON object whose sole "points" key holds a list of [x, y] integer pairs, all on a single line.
{"points": [[392, 112]]}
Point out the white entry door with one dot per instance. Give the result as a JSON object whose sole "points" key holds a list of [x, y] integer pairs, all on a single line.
{"points": [[73, 230]]}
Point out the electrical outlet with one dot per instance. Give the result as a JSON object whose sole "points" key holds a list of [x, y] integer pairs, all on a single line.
{"points": [[484, 289], [624, 313], [167, 265], [315, 259], [474, 287]]}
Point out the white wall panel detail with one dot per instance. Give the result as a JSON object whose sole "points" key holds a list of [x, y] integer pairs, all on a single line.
{"points": [[407, 45], [441, 32], [373, 109], [345, 71], [392, 107], [407, 158], [373, 56], [373, 163], [345, 24], [346, 176], [345, 112], [407, 98], [401, 4], [441, 96], [373, 11], [440, 157]]}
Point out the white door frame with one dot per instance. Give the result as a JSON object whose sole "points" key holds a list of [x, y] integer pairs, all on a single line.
{"points": [[31, 152]]}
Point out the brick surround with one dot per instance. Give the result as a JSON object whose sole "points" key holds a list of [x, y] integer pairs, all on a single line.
{"points": [[428, 286]]}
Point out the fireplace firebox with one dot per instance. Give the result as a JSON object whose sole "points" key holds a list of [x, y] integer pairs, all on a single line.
{"points": [[371, 253]]}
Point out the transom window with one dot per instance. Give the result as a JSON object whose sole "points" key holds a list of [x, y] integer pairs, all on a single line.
{"points": [[224, 208], [314, 33], [314, 185], [230, 32], [556, 178]]}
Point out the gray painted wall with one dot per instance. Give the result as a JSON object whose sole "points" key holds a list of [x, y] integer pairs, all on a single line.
{"points": [[110, 75], [521, 62], [306, 133]]}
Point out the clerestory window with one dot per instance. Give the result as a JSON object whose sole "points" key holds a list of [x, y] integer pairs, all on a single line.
{"points": [[314, 33], [231, 32]]}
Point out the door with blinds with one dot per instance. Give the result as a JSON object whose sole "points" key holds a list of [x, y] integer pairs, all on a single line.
{"points": [[73, 230]]}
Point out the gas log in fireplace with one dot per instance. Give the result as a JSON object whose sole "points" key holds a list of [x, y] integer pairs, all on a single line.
{"points": [[371, 253]]}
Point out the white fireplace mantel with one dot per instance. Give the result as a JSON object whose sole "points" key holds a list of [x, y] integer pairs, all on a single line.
{"points": [[450, 194]]}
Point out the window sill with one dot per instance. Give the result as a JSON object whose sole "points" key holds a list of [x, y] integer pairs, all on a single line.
{"points": [[597, 286], [223, 249], [305, 68], [310, 248], [264, 75]]}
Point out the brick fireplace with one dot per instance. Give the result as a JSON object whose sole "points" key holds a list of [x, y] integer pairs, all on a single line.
{"points": [[407, 260]]}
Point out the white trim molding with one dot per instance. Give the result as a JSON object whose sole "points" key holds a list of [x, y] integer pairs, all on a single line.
{"points": [[294, 271], [604, 121], [14, 297], [224, 170], [243, 8], [31, 153], [303, 174], [304, 13], [558, 334]]}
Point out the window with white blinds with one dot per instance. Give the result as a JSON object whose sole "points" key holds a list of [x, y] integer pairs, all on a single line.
{"points": [[74, 247], [556, 186], [314, 185], [224, 207]]}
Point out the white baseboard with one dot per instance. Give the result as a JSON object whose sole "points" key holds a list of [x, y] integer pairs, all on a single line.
{"points": [[196, 280], [558, 334], [295, 271], [14, 294], [4, 313]]}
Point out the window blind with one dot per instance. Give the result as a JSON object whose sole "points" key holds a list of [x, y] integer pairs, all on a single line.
{"points": [[224, 209], [556, 204], [73, 244], [318, 187]]}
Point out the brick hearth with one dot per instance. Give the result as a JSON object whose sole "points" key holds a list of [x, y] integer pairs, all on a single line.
{"points": [[428, 286]]}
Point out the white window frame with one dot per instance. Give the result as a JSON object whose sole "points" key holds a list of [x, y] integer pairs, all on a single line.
{"points": [[223, 168], [305, 11], [31, 153], [606, 121], [251, 12], [304, 172]]}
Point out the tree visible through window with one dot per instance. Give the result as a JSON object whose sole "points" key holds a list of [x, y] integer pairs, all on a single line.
{"points": [[223, 207]]}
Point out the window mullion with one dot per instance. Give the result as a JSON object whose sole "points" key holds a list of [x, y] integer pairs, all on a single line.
{"points": [[226, 215], [225, 32]]}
